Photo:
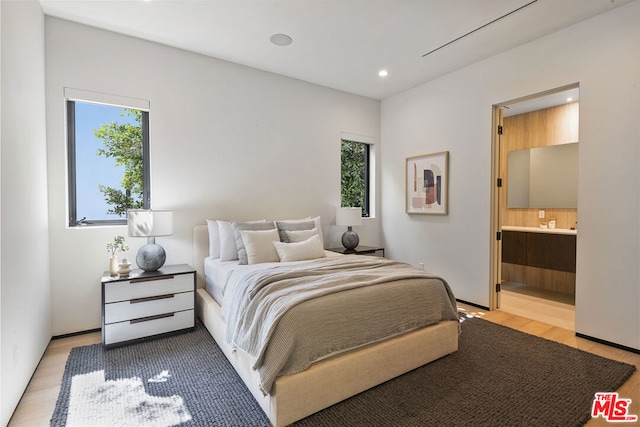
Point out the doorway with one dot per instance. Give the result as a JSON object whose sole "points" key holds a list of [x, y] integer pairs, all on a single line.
{"points": [[534, 211]]}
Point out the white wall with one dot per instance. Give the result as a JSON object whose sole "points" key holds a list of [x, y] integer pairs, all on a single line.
{"points": [[25, 296], [227, 142], [454, 113]]}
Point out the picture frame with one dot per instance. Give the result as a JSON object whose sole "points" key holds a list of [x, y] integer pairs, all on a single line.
{"points": [[427, 184]]}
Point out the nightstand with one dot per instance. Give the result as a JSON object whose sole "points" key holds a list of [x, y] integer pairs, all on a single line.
{"points": [[360, 250], [148, 304]]}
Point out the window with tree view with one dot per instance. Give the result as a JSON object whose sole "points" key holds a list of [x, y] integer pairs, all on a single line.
{"points": [[108, 162], [355, 175]]}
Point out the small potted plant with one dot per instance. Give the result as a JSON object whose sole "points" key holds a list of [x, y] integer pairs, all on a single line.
{"points": [[118, 245]]}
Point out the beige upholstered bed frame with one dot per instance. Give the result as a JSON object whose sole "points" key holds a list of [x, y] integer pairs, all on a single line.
{"points": [[327, 382]]}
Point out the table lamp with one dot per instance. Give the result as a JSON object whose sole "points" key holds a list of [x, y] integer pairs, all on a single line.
{"points": [[150, 224], [349, 217]]}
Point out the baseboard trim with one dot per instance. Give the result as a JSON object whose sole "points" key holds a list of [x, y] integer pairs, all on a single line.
{"points": [[472, 304], [75, 334], [609, 343]]}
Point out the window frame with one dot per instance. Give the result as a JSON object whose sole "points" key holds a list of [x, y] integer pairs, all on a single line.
{"points": [[369, 168], [73, 220]]}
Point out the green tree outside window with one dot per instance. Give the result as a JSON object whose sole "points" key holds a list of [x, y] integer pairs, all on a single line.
{"points": [[123, 142], [107, 163], [354, 175]]}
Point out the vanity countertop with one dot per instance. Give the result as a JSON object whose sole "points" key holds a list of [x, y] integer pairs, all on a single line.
{"points": [[539, 230]]}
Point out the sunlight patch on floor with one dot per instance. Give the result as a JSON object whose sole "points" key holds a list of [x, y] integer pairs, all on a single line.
{"points": [[468, 312]]}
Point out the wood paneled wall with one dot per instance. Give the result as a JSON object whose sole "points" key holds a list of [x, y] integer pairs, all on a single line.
{"points": [[550, 126], [552, 280]]}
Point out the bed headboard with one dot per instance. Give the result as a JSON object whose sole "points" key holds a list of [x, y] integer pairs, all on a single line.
{"points": [[200, 252]]}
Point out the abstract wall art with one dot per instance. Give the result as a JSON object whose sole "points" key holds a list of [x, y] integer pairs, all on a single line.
{"points": [[427, 184]]}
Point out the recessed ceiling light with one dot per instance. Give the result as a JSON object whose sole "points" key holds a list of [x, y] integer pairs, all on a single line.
{"points": [[383, 73], [281, 39], [569, 99]]}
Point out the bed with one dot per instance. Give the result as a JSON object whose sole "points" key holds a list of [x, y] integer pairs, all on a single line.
{"points": [[302, 387]]}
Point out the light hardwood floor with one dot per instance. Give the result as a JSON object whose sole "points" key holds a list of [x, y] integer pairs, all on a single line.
{"points": [[38, 401], [545, 306]]}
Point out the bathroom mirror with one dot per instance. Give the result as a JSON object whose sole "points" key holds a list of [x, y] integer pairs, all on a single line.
{"points": [[543, 177]]}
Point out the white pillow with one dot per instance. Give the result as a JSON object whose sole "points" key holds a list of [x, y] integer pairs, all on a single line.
{"points": [[284, 226], [259, 245], [294, 236], [252, 225], [214, 238], [318, 224], [300, 251], [228, 248]]}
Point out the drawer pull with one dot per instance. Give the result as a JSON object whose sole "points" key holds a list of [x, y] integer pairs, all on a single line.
{"points": [[154, 298], [150, 279], [148, 319]]}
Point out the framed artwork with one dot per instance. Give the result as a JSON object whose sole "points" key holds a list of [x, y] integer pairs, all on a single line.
{"points": [[427, 184]]}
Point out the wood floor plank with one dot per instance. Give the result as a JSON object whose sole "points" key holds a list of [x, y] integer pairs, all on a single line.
{"points": [[39, 400]]}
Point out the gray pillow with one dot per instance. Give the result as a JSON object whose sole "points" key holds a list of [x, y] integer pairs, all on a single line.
{"points": [[284, 226], [237, 226]]}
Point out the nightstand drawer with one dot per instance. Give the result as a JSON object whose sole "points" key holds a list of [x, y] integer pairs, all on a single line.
{"points": [[140, 328], [145, 307], [143, 287], [147, 304]]}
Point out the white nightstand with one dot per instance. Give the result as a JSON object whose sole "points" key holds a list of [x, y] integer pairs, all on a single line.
{"points": [[148, 304]]}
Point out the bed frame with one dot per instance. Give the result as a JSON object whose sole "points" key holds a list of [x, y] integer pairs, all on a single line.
{"points": [[329, 381]]}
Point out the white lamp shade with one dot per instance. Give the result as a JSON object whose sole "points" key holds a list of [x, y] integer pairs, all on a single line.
{"points": [[349, 216], [150, 223]]}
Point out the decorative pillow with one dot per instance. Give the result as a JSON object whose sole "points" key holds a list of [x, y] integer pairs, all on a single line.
{"points": [[214, 238], [239, 226], [316, 220], [228, 248], [300, 235], [300, 251], [284, 226], [259, 245]]}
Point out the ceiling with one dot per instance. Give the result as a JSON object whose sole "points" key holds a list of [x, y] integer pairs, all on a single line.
{"points": [[541, 101], [340, 44]]}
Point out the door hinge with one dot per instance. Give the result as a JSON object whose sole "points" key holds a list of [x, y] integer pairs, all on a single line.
{"points": [[499, 129], [497, 287], [499, 182], [499, 236]]}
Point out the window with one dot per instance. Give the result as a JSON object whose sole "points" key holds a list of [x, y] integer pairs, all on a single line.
{"points": [[356, 175], [108, 162]]}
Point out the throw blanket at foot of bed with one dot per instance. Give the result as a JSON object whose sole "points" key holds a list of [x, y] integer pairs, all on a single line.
{"points": [[289, 316]]}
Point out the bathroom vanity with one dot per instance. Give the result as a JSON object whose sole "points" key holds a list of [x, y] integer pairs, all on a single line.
{"points": [[545, 258]]}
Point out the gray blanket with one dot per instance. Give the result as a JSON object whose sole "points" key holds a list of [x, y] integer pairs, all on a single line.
{"points": [[290, 316]]}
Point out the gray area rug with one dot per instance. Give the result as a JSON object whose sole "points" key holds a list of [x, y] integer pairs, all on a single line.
{"points": [[499, 376]]}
